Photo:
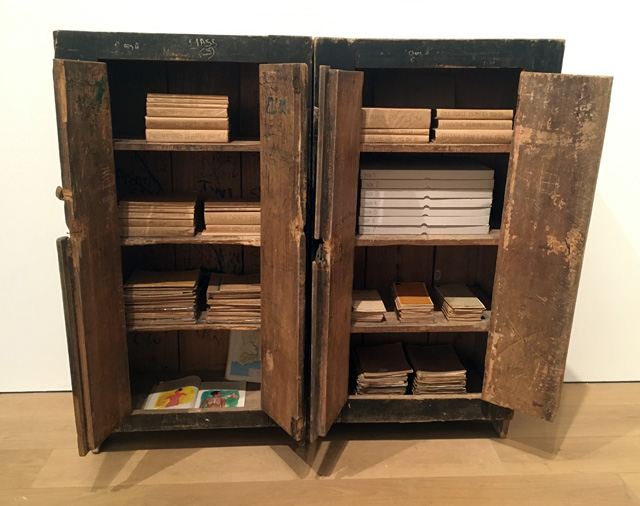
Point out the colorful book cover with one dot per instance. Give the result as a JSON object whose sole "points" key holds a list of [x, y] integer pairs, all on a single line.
{"points": [[243, 361], [221, 395]]}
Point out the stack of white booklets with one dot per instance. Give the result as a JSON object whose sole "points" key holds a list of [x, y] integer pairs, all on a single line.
{"points": [[439, 197]]}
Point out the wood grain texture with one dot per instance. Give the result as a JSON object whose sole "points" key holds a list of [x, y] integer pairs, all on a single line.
{"points": [[88, 176], [337, 181], [490, 239], [559, 131], [143, 145], [284, 124]]}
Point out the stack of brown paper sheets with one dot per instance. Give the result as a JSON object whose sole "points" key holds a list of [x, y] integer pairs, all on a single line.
{"points": [[413, 302], [233, 299], [395, 126], [367, 306], [238, 218], [437, 370], [160, 217], [161, 298], [459, 303], [473, 126], [382, 369], [187, 118]]}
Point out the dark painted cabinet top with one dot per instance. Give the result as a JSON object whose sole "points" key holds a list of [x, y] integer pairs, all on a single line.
{"points": [[94, 46]]}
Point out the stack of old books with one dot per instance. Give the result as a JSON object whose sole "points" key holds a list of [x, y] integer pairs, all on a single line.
{"points": [[473, 126], [441, 197], [459, 303], [233, 300], [437, 370], [187, 118], [157, 217], [413, 302], [382, 369], [238, 218], [395, 126], [367, 306], [161, 298]]}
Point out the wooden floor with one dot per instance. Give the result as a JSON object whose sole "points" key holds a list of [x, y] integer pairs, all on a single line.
{"points": [[589, 456]]}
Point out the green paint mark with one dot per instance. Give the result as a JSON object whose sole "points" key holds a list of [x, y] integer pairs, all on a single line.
{"points": [[101, 88]]}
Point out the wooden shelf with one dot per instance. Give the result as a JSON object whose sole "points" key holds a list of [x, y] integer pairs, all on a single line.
{"points": [[440, 324], [243, 240], [432, 147], [490, 239], [143, 145], [201, 324]]}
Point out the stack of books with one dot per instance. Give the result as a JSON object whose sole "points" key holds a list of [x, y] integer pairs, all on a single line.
{"points": [[224, 218], [367, 306], [437, 370], [427, 197], [459, 303], [395, 126], [160, 217], [473, 126], [161, 298], [413, 302], [187, 118], [382, 369], [233, 300]]}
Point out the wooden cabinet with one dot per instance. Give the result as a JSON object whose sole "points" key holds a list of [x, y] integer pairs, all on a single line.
{"points": [[527, 267]]}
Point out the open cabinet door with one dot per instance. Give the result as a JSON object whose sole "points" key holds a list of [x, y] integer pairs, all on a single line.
{"points": [[559, 132], [284, 118], [90, 259], [338, 153]]}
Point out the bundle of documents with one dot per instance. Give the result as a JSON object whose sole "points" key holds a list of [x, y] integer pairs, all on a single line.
{"points": [[437, 370], [160, 217], [473, 126], [224, 218], [367, 306], [187, 118], [161, 298], [382, 369], [395, 126], [233, 299], [448, 196], [413, 302], [459, 303]]}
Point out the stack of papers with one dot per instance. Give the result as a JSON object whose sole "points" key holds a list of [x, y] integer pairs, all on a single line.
{"points": [[157, 217], [233, 299], [238, 218], [413, 302], [459, 303], [367, 306], [382, 370], [437, 370]]}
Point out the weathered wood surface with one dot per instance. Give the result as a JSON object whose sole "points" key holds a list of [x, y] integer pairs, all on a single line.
{"points": [[440, 324], [284, 123], [142, 145], [337, 183], [249, 240], [559, 132], [88, 180], [433, 147], [490, 239], [142, 421]]}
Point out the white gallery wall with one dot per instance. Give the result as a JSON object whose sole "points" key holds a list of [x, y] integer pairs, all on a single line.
{"points": [[605, 341]]}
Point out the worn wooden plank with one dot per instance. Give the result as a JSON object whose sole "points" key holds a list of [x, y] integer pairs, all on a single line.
{"points": [[153, 351], [248, 240], [433, 147], [338, 155], [490, 239], [440, 324], [88, 180], [284, 123], [142, 145], [203, 350], [559, 131]]}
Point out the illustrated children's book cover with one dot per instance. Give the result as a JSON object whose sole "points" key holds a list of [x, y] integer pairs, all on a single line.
{"points": [[243, 360], [191, 392], [226, 394]]}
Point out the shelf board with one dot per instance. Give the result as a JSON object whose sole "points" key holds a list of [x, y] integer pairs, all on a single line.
{"points": [[143, 145], [243, 240], [490, 239], [201, 324], [440, 324], [432, 147]]}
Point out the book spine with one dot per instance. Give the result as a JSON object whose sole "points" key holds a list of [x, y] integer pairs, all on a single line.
{"points": [[187, 96], [154, 135], [418, 230], [395, 139], [424, 211], [181, 112], [428, 194], [232, 218], [182, 105], [395, 131], [474, 113], [153, 223], [473, 136], [156, 231], [188, 102], [233, 229], [187, 123], [426, 183], [441, 203], [475, 124], [395, 118], [424, 220]]}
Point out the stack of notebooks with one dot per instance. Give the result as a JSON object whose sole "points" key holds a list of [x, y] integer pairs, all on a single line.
{"points": [[437, 370], [161, 298], [395, 126], [168, 217], [382, 370], [473, 126], [459, 303], [413, 303], [187, 118], [429, 197], [224, 218], [367, 306], [233, 300]]}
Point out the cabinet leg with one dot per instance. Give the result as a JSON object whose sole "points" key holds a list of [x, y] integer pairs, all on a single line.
{"points": [[501, 427], [96, 450]]}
